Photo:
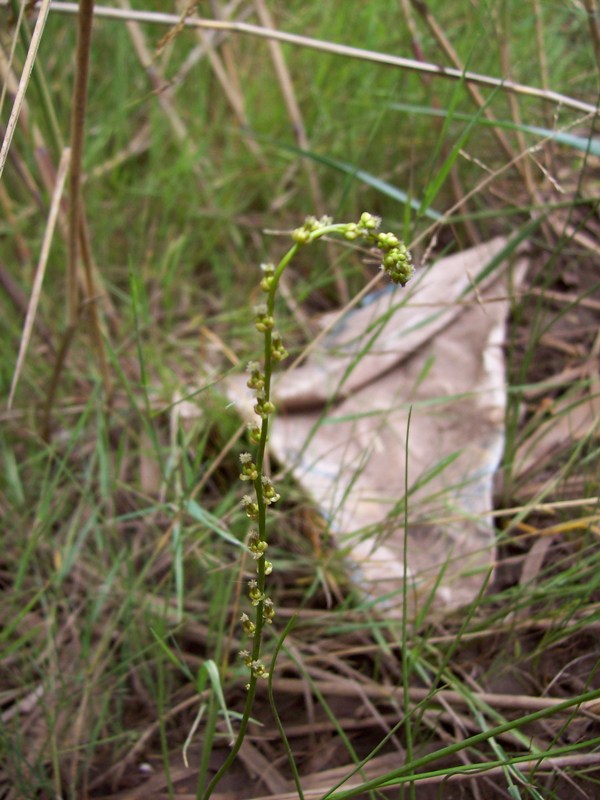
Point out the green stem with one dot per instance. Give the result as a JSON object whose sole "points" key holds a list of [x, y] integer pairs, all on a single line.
{"points": [[409, 771], [238, 742], [262, 533], [312, 231]]}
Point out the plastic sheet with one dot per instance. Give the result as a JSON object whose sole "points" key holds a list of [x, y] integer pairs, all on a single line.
{"points": [[341, 427]]}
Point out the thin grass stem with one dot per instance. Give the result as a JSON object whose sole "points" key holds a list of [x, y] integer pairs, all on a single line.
{"points": [[336, 49]]}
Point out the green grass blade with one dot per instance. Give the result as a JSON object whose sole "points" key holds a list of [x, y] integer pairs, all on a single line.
{"points": [[580, 143]]}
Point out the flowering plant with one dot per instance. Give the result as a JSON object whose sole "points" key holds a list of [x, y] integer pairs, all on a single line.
{"points": [[396, 262]]}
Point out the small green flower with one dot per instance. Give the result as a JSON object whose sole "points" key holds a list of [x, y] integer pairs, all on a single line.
{"points": [[268, 611], [278, 351], [253, 432], [397, 264], [263, 320], [312, 226], [250, 506], [269, 493], [257, 546], [263, 408], [268, 278], [369, 222], [247, 624], [258, 668], [301, 236], [249, 471], [254, 592], [256, 380], [385, 241]]}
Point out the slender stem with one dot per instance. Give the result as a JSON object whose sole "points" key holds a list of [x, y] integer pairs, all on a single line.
{"points": [[80, 91], [238, 742], [396, 262], [409, 770], [262, 533], [153, 17]]}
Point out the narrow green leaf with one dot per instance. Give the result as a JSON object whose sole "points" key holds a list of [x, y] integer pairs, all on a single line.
{"points": [[212, 523], [589, 145]]}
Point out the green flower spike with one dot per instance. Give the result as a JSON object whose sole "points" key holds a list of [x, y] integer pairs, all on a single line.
{"points": [[396, 262]]}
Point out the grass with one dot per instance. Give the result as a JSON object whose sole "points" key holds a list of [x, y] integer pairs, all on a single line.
{"points": [[121, 569]]}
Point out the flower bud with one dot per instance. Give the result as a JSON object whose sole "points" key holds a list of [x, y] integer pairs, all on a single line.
{"points": [[250, 506], [247, 624]]}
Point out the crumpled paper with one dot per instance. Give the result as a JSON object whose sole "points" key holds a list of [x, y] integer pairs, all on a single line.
{"points": [[341, 428]]}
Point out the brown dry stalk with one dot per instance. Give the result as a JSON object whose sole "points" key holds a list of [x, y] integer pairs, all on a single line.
{"points": [[90, 274], [76, 233], [40, 272], [544, 71], [77, 229], [61, 357], [349, 688], [80, 89], [535, 764], [24, 82], [319, 783], [337, 49], [592, 11]]}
